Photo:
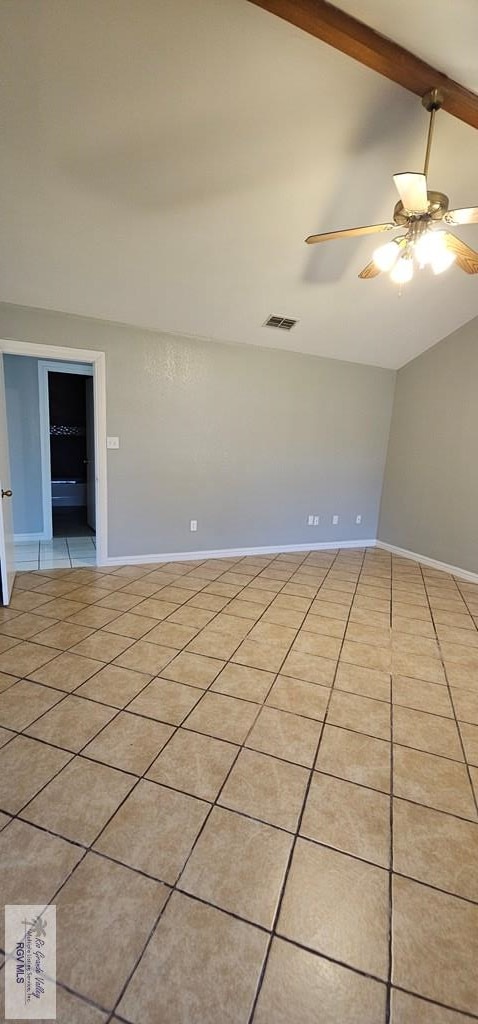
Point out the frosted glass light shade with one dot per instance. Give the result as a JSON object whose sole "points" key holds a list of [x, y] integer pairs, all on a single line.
{"points": [[385, 256], [430, 246], [443, 260], [402, 271]]}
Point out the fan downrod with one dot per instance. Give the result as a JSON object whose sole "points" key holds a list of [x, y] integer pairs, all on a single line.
{"points": [[432, 101]]}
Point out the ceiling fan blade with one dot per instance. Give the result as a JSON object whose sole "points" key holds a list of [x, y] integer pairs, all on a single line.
{"points": [[371, 270], [466, 258], [468, 216], [369, 229], [412, 189]]}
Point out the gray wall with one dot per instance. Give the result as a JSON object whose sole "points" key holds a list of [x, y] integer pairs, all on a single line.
{"points": [[248, 441], [23, 416], [430, 493]]}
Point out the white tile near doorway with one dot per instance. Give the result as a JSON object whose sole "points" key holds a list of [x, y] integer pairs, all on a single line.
{"points": [[59, 553]]}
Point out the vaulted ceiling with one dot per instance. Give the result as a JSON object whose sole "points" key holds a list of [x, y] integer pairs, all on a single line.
{"points": [[443, 34], [162, 163]]}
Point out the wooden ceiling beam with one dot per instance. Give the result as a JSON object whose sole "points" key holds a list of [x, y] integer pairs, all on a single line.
{"points": [[350, 36]]}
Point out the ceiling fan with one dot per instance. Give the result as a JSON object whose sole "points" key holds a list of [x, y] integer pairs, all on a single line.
{"points": [[422, 214]]}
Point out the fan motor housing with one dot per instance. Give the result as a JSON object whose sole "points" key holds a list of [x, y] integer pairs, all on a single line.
{"points": [[438, 204]]}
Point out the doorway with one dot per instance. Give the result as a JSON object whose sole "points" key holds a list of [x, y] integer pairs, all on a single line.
{"points": [[67, 434], [64, 448]]}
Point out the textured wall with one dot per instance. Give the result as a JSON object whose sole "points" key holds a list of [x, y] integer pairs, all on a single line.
{"points": [[23, 414], [430, 493], [248, 441]]}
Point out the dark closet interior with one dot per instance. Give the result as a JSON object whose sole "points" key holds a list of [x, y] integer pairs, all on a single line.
{"points": [[67, 401], [67, 393]]}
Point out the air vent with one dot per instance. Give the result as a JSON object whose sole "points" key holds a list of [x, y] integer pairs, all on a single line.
{"points": [[284, 323]]}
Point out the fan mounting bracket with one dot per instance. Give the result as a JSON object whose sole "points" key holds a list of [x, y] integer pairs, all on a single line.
{"points": [[433, 99], [438, 204]]}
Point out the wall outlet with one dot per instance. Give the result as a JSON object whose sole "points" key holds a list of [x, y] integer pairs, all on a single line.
{"points": [[316, 520], [358, 520], [112, 442], [193, 525], [335, 520], [310, 520]]}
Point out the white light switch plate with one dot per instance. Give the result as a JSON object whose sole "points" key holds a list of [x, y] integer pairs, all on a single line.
{"points": [[112, 442]]}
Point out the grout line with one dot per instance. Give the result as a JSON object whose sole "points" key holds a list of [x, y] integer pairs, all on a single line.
{"points": [[457, 723], [390, 869], [69, 552], [297, 830]]}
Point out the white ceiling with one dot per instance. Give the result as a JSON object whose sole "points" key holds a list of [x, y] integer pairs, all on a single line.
{"points": [[442, 33], [162, 164]]}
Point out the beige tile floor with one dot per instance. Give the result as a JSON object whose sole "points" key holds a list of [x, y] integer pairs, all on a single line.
{"points": [[255, 779]]}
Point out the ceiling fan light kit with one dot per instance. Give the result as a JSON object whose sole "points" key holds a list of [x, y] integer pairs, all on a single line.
{"points": [[422, 213], [386, 255], [431, 249], [402, 272]]}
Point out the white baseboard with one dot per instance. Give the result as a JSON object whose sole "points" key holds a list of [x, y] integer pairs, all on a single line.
{"points": [[195, 556], [24, 538], [192, 556], [433, 563]]}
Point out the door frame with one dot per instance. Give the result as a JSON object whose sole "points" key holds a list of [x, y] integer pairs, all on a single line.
{"points": [[61, 354], [44, 368]]}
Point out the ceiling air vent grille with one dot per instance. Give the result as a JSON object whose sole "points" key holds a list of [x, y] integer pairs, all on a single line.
{"points": [[284, 323]]}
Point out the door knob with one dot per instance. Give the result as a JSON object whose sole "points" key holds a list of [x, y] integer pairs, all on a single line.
{"points": [[6, 494]]}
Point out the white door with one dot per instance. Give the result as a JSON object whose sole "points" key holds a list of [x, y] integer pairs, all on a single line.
{"points": [[90, 455], [7, 554]]}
